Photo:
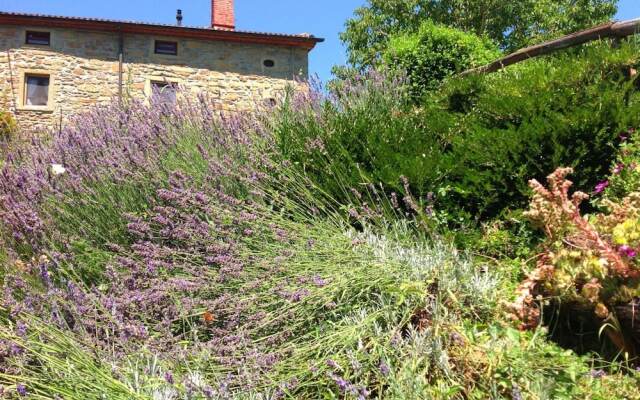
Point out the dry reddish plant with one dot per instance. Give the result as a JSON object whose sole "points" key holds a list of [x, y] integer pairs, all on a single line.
{"points": [[557, 213]]}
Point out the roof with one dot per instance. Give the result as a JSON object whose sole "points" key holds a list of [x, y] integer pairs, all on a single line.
{"points": [[304, 40]]}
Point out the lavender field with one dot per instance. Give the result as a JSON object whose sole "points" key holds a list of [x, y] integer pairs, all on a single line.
{"points": [[153, 251]]}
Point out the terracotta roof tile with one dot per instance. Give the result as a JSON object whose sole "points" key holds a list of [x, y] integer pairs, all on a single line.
{"points": [[303, 39]]}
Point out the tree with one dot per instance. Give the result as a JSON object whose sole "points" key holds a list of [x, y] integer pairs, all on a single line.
{"points": [[436, 52], [511, 24]]}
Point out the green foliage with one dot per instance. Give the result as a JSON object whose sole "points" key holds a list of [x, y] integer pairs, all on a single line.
{"points": [[523, 122], [387, 309], [369, 134], [625, 171], [470, 149], [527, 365], [7, 126], [436, 52], [511, 24], [70, 372]]}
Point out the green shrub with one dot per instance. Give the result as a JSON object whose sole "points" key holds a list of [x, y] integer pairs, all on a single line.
{"points": [[470, 148], [369, 133], [524, 122], [435, 52]]}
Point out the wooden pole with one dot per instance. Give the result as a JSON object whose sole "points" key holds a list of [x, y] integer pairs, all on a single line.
{"points": [[608, 30]]}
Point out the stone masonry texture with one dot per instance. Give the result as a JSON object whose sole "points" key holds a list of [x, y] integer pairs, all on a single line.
{"points": [[84, 70]]}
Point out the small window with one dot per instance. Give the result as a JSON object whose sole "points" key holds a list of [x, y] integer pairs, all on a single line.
{"points": [[167, 48], [39, 38], [165, 92], [36, 91], [269, 63]]}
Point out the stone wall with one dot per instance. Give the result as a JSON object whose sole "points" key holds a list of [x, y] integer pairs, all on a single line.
{"points": [[84, 70]]}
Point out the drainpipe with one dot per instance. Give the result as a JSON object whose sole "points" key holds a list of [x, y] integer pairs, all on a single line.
{"points": [[120, 62], [14, 94]]}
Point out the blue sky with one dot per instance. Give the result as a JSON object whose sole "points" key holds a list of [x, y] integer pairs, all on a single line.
{"points": [[322, 18]]}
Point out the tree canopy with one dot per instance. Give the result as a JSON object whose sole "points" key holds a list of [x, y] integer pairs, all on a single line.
{"points": [[511, 24], [436, 52]]}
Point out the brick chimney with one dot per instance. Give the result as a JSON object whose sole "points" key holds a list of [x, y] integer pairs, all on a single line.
{"points": [[222, 15]]}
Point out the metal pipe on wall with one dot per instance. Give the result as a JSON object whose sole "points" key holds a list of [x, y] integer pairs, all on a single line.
{"points": [[120, 64]]}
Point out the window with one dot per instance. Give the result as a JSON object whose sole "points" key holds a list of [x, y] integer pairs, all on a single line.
{"points": [[167, 48], [165, 92], [269, 63], [39, 38], [36, 91]]}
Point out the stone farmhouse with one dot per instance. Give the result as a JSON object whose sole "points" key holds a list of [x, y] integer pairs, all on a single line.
{"points": [[52, 67]]}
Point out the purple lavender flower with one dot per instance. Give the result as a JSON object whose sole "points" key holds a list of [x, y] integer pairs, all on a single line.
{"points": [[208, 392], [384, 368], [342, 384], [15, 349], [296, 296], [281, 235], [516, 394], [319, 282], [597, 373], [394, 200], [292, 384], [600, 187], [332, 364], [168, 377], [21, 389], [21, 329]]}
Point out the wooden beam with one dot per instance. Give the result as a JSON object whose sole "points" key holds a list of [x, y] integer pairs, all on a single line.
{"points": [[626, 28], [607, 30]]}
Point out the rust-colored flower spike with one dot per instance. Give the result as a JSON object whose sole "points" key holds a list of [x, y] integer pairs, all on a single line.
{"points": [[553, 210], [558, 214]]}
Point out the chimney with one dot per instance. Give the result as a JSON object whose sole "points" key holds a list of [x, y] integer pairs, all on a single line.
{"points": [[179, 18], [222, 15]]}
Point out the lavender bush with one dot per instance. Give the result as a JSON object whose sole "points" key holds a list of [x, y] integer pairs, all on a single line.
{"points": [[155, 251]]}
